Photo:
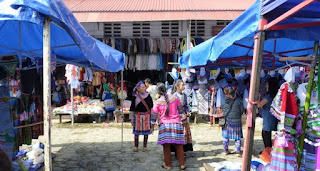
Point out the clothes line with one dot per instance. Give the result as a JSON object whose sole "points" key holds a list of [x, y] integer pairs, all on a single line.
{"points": [[29, 125]]}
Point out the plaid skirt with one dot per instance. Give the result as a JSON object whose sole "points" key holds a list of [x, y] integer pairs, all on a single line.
{"points": [[171, 133], [142, 123], [233, 130], [308, 162], [187, 133], [284, 158]]}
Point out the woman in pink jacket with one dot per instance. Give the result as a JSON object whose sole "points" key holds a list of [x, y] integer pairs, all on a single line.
{"points": [[170, 130]]}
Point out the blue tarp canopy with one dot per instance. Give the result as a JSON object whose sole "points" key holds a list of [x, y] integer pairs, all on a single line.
{"points": [[235, 43], [21, 31]]}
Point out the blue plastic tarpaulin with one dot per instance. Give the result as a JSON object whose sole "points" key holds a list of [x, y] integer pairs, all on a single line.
{"points": [[237, 39], [21, 27]]}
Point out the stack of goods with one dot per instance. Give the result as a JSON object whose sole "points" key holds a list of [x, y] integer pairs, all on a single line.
{"points": [[82, 105], [30, 159], [126, 106]]}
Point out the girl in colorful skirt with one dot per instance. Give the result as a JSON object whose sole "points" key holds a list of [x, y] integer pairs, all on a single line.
{"points": [[232, 111], [140, 108], [170, 130], [178, 91]]}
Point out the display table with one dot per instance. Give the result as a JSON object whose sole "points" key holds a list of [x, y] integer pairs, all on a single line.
{"points": [[88, 107], [61, 114]]}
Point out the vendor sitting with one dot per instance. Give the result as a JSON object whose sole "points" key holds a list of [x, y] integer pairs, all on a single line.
{"points": [[108, 90]]}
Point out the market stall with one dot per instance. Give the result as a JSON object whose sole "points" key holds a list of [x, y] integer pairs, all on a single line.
{"points": [[275, 23], [47, 30], [82, 106]]}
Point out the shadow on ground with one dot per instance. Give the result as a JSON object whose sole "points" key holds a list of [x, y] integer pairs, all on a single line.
{"points": [[111, 156]]}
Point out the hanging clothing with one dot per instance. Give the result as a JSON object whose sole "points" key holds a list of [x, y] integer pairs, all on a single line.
{"points": [[203, 95], [7, 135], [188, 81], [97, 78], [285, 108]]}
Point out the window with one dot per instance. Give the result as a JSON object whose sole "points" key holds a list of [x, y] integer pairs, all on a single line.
{"points": [[141, 29], [112, 29], [170, 28], [197, 28]]}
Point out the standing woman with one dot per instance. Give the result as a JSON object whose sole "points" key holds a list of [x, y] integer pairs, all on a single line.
{"points": [[170, 130], [178, 91], [232, 111], [269, 121], [141, 109]]}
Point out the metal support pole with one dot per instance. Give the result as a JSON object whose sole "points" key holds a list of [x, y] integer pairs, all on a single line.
{"points": [[72, 106], [20, 47], [188, 35], [122, 115], [253, 96], [307, 102], [47, 94]]}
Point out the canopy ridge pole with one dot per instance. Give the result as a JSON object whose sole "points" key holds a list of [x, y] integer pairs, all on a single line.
{"points": [[307, 102], [253, 95], [47, 94], [122, 115]]}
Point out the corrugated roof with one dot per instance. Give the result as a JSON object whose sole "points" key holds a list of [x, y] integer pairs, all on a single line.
{"points": [[156, 5], [155, 16]]}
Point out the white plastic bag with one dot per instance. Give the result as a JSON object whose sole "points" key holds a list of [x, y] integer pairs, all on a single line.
{"points": [[34, 153], [39, 159]]}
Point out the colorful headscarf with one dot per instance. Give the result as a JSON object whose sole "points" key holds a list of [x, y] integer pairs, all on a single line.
{"points": [[136, 88]]}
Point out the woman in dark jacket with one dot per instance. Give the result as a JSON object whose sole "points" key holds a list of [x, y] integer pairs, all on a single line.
{"points": [[141, 107], [232, 111]]}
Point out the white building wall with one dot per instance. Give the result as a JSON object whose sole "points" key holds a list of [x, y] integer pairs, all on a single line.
{"points": [[97, 29]]}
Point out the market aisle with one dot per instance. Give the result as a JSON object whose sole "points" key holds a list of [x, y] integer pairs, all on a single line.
{"points": [[93, 147]]}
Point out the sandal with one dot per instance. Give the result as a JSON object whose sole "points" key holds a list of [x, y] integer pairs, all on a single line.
{"points": [[183, 167], [135, 149], [239, 154], [227, 152], [166, 167], [144, 149]]}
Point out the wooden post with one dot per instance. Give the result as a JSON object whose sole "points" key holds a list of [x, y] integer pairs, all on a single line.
{"points": [[72, 106], [122, 115], [47, 94], [307, 102], [253, 96]]}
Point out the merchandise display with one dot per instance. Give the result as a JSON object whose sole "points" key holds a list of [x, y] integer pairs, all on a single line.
{"points": [[82, 105]]}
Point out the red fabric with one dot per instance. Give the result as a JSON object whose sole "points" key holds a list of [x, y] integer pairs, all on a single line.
{"points": [[81, 72], [289, 104]]}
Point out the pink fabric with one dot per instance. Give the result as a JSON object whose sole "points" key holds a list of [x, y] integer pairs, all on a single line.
{"points": [[249, 112], [160, 108]]}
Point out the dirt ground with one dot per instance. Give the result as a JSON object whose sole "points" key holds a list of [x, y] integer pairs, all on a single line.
{"points": [[88, 146]]}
